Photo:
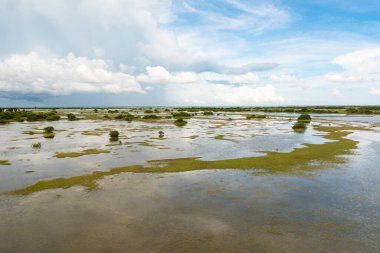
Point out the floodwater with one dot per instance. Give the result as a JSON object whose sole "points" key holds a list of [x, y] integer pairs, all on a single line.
{"points": [[331, 210]]}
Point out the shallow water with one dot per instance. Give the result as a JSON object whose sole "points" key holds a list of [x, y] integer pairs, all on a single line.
{"points": [[329, 210], [140, 143]]}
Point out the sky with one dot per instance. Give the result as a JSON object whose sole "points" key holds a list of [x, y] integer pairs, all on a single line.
{"points": [[189, 53]]}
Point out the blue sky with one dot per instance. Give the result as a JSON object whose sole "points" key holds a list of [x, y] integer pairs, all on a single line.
{"points": [[182, 52]]}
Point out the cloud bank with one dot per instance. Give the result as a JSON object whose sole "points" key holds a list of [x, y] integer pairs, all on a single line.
{"points": [[33, 74]]}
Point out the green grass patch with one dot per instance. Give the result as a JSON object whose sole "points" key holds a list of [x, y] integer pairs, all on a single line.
{"points": [[219, 137], [4, 162], [309, 157], [32, 132], [93, 133], [82, 153]]}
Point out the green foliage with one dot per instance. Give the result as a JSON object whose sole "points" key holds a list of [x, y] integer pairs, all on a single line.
{"points": [[181, 115], [304, 118], [161, 134], [48, 129], [360, 110], [208, 113], [71, 117], [151, 116], [4, 162], [20, 116], [36, 145], [148, 111], [82, 153], [49, 135], [180, 122], [114, 135], [256, 116], [126, 116]]}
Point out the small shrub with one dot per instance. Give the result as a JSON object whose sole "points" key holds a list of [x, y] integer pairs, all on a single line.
{"points": [[256, 116], [181, 115], [3, 122], [148, 111], [36, 145], [180, 122], [114, 135], [71, 117], [52, 117], [48, 129], [208, 113], [126, 116], [151, 116], [304, 118], [161, 134]]}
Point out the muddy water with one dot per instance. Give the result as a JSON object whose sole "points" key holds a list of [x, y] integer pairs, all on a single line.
{"points": [[331, 210]]}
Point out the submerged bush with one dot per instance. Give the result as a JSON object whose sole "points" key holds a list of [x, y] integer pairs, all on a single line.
{"points": [[180, 122], [299, 127], [161, 134], [114, 135], [304, 118], [49, 135]]}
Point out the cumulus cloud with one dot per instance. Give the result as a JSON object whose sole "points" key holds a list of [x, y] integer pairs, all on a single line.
{"points": [[187, 88], [33, 74], [358, 66], [221, 94], [160, 75]]}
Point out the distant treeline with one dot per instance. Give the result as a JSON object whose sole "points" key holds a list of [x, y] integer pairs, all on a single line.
{"points": [[20, 115], [295, 109]]}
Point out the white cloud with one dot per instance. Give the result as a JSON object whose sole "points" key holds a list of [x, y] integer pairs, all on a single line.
{"points": [[32, 73], [160, 75], [221, 94], [359, 66], [375, 91]]}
